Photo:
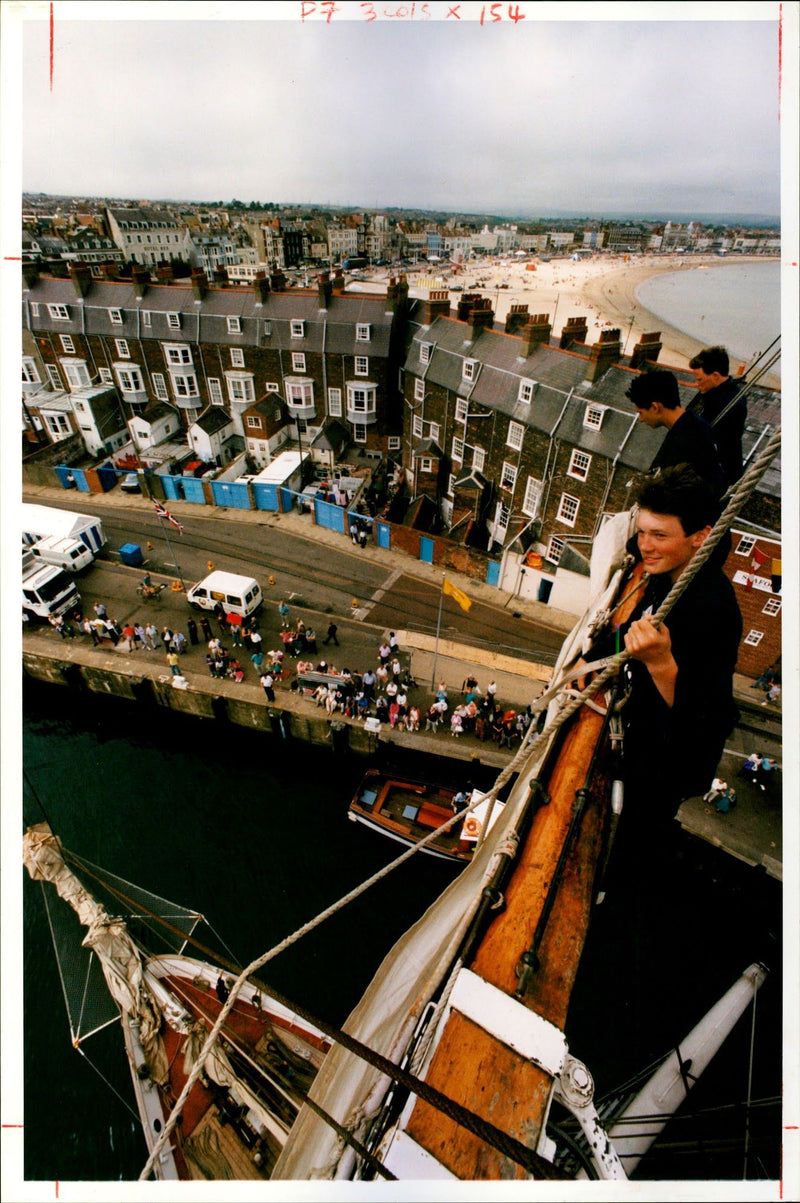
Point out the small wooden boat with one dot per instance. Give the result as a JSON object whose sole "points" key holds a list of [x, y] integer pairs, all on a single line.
{"points": [[408, 811]]}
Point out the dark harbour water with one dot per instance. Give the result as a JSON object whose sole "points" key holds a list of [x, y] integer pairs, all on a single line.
{"points": [[254, 834]]}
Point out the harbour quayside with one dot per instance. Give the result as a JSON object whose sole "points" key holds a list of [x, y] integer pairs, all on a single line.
{"points": [[451, 1065]]}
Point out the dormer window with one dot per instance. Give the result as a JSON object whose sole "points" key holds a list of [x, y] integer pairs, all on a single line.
{"points": [[174, 321], [593, 418], [234, 325], [362, 333], [425, 350], [59, 312], [527, 391], [115, 317], [267, 329], [469, 370], [297, 329]]}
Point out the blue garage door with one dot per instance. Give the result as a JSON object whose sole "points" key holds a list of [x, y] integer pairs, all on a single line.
{"points": [[329, 516], [265, 496], [231, 493], [492, 572], [383, 534], [425, 549]]}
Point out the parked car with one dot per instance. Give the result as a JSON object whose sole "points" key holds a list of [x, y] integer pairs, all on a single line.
{"points": [[130, 483]]}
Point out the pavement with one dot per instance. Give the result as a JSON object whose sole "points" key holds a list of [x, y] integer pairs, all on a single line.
{"points": [[752, 831]]}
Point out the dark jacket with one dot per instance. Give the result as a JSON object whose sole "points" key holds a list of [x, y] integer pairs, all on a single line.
{"points": [[727, 431]]}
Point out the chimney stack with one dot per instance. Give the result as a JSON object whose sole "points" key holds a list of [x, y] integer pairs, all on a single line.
{"points": [[536, 330], [278, 281], [164, 273], [30, 273], [647, 351], [436, 305], [110, 270], [140, 278], [603, 354], [466, 302], [261, 287], [575, 331], [220, 275], [199, 283], [481, 317], [338, 282], [325, 289], [81, 277], [517, 317]]}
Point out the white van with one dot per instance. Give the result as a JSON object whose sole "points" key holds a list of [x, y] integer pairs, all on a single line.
{"points": [[238, 594], [69, 554]]}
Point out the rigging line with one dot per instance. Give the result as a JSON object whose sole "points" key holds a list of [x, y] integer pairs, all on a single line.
{"points": [[749, 1087], [110, 1086]]}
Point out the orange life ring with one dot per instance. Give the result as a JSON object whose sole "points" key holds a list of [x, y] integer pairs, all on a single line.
{"points": [[471, 826]]}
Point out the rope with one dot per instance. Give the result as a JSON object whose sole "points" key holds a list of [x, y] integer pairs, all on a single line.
{"points": [[531, 743]]}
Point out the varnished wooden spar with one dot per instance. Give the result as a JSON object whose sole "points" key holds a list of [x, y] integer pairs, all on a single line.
{"points": [[472, 1066]]}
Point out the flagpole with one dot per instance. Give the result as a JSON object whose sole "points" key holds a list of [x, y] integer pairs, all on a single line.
{"points": [[171, 552], [438, 628]]}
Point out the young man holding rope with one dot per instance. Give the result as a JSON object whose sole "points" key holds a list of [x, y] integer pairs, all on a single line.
{"points": [[679, 676]]}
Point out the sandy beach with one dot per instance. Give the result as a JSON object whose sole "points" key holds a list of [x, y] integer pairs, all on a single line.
{"points": [[601, 288]]}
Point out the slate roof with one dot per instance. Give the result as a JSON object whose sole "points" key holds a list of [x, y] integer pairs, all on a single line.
{"points": [[331, 331], [213, 419]]}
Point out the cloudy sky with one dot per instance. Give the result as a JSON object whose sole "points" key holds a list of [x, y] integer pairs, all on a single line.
{"points": [[559, 111]]}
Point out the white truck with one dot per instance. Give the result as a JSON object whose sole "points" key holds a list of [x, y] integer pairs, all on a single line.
{"points": [[70, 554], [46, 590], [45, 521]]}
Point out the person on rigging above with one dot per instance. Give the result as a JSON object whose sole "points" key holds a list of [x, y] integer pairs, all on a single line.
{"points": [[680, 707], [716, 390], [689, 439]]}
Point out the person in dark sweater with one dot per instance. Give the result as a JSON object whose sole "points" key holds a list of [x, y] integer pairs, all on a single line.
{"points": [[680, 707], [689, 439], [716, 392]]}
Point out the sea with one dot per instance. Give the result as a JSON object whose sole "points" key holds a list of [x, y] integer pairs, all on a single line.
{"points": [[735, 305], [252, 831]]}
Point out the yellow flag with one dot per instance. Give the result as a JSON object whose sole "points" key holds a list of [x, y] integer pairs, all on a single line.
{"points": [[457, 595]]}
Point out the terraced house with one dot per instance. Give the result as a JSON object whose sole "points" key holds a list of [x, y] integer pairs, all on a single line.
{"points": [[316, 356]]}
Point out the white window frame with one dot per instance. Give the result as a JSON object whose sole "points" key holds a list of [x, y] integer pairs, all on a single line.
{"points": [[394, 442], [34, 308], [426, 464], [361, 366], [579, 465], [416, 426], [299, 394], [184, 384], [67, 344], [362, 332], [462, 410], [745, 545], [359, 432], [106, 375], [237, 357], [527, 389], [58, 425], [753, 638], [297, 328], [362, 399], [77, 373], [298, 361], [457, 451], [515, 435], [54, 376], [30, 373], [147, 320], [335, 402], [508, 476], [772, 607], [502, 517], [533, 494], [253, 422], [593, 416], [478, 459], [59, 313], [419, 390], [234, 325], [267, 329], [241, 383], [174, 321], [123, 350], [129, 377], [215, 390], [425, 352], [160, 386], [555, 549], [568, 507], [115, 317], [272, 387], [451, 484], [178, 355], [469, 370]]}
